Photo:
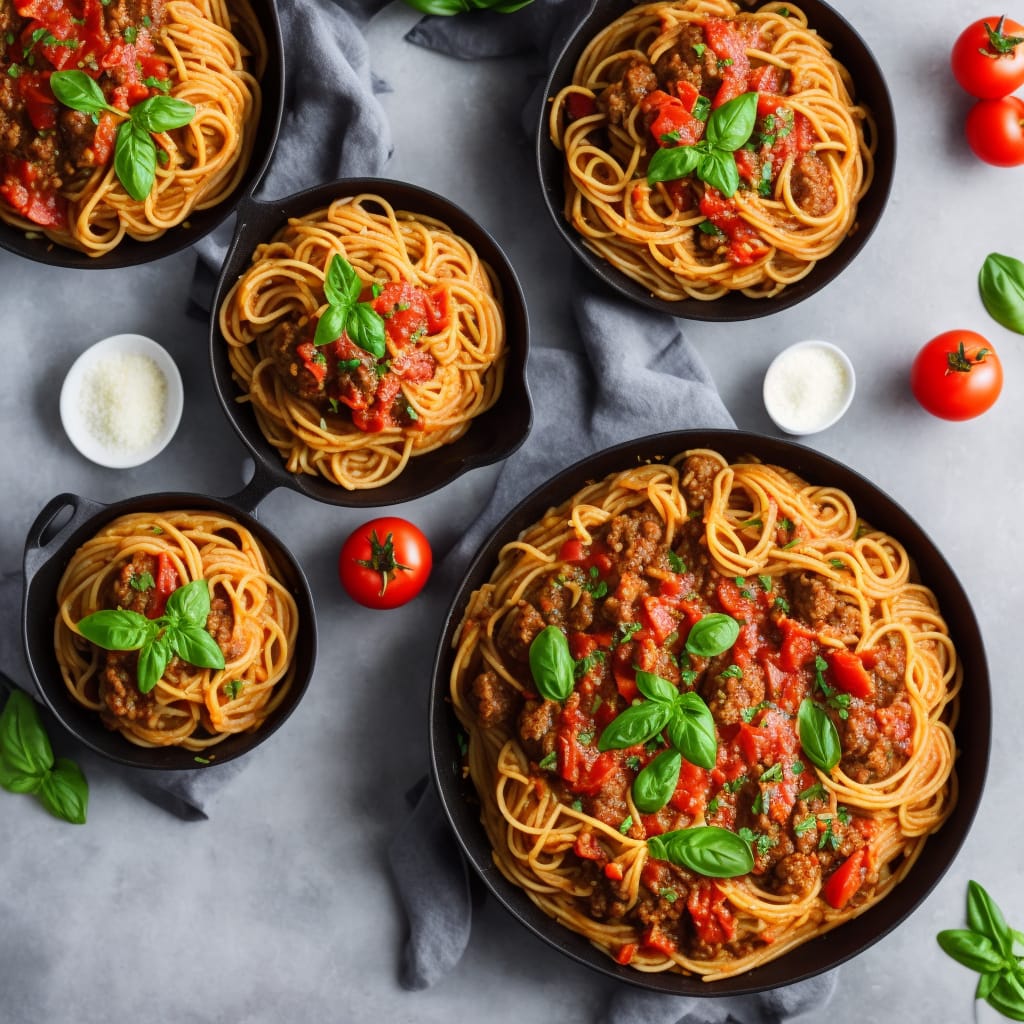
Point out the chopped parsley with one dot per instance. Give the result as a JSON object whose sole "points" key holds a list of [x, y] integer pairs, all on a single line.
{"points": [[345, 365], [595, 586], [633, 762], [751, 523], [624, 632], [130, 34], [627, 824], [675, 562], [670, 895], [749, 714], [548, 762], [838, 701], [14, 71], [577, 805], [234, 688], [837, 563], [764, 183], [141, 581], [588, 664], [699, 48], [804, 825], [584, 738], [759, 840], [160, 84], [708, 229], [773, 774], [782, 604], [797, 768], [815, 792], [702, 108], [766, 583], [732, 672], [156, 529]]}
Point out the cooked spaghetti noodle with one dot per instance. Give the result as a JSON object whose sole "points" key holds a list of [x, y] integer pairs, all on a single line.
{"points": [[135, 563], [336, 410], [651, 79], [828, 612], [57, 167]]}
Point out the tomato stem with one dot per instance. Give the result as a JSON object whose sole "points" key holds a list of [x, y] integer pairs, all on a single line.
{"points": [[382, 560]]}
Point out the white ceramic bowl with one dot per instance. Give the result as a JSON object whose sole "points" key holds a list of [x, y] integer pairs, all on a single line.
{"points": [[121, 401], [808, 387]]}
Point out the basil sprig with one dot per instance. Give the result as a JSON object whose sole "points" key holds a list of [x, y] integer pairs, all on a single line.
{"points": [[1001, 283], [711, 159], [707, 849], [135, 153], [654, 786], [551, 664], [27, 763], [346, 314], [992, 948], [449, 7], [713, 634], [181, 630], [818, 735]]}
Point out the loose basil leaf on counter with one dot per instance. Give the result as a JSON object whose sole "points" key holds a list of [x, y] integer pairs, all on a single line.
{"points": [[818, 735], [657, 781], [713, 634], [1007, 994], [65, 793], [987, 919], [691, 731], [970, 949], [1001, 283], [27, 765], [551, 664], [637, 724], [707, 849]]}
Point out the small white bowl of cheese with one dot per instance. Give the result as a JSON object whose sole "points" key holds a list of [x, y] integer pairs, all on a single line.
{"points": [[121, 401], [808, 387]]}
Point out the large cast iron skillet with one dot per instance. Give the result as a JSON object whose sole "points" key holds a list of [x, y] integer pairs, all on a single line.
{"points": [[491, 436], [870, 89], [131, 253], [66, 523], [972, 729]]}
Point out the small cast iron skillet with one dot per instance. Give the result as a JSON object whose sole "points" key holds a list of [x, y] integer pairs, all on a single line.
{"points": [[67, 522], [492, 436], [870, 90], [131, 253], [972, 730]]}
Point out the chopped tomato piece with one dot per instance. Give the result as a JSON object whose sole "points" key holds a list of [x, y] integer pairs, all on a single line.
{"points": [[656, 939], [579, 105], [613, 871], [624, 673], [658, 618], [671, 118], [626, 953], [312, 360], [767, 78], [850, 675], [798, 645], [165, 584], [588, 848], [731, 50], [572, 550], [591, 780], [713, 918], [843, 883], [691, 793]]}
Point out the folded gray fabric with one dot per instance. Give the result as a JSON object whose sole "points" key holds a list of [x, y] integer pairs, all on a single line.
{"points": [[333, 124]]}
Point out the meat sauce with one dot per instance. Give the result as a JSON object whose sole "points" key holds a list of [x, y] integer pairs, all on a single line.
{"points": [[627, 602], [341, 377], [142, 585], [45, 147], [706, 68]]}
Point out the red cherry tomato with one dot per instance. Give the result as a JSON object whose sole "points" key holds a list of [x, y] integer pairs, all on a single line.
{"points": [[385, 562], [995, 131], [988, 58], [957, 375]]}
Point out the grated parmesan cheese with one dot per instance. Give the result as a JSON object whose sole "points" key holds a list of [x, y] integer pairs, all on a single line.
{"points": [[123, 401], [806, 388]]}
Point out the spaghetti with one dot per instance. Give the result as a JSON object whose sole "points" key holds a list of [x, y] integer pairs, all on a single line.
{"points": [[828, 623], [136, 563], [652, 80], [57, 166], [336, 409]]}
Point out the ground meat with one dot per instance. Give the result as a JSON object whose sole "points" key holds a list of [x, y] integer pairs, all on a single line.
{"points": [[494, 701], [815, 602], [870, 752], [697, 478], [889, 665], [796, 874], [621, 605], [536, 727], [681, 63], [77, 132], [635, 538], [618, 99], [518, 631], [135, 570], [728, 695], [119, 690], [220, 624], [812, 186], [281, 342]]}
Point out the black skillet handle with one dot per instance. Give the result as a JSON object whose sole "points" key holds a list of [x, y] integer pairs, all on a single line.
{"points": [[43, 540], [249, 497]]}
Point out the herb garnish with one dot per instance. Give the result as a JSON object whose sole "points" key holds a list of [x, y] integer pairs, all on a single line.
{"points": [[181, 630], [707, 849], [27, 764], [1001, 283], [135, 153], [345, 314]]}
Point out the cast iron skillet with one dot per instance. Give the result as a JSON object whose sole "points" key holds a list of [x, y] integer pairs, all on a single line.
{"points": [[492, 436], [131, 253], [53, 538], [972, 730], [870, 89]]}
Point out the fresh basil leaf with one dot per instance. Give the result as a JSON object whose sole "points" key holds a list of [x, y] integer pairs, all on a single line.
{"points": [[1007, 995], [818, 735], [691, 730], [117, 629], [655, 687], [75, 89], [707, 849], [713, 634], [194, 645], [162, 113], [366, 328], [65, 793], [551, 664], [718, 168], [985, 917], [986, 982], [731, 124], [971, 949], [672, 164], [15, 781], [153, 660], [342, 285], [440, 7], [135, 160], [654, 786], [190, 603], [24, 745], [330, 326], [1001, 283], [637, 724]]}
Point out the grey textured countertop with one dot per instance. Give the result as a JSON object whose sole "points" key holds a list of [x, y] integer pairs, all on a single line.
{"points": [[280, 907]]}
